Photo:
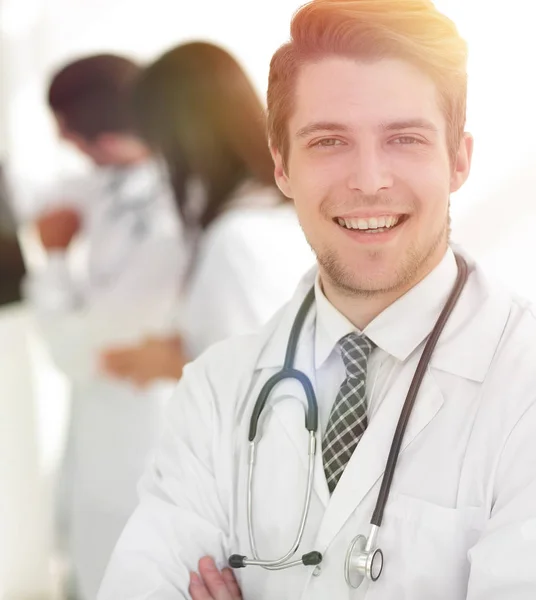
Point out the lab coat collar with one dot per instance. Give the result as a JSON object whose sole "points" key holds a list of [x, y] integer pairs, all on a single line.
{"points": [[466, 346], [133, 185]]}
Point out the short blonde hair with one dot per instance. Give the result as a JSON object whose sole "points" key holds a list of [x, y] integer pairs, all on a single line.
{"points": [[412, 30]]}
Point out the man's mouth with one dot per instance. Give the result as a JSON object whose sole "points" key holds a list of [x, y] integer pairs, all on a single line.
{"points": [[371, 225]]}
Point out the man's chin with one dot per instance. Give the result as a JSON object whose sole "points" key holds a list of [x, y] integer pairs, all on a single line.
{"points": [[364, 279], [358, 283]]}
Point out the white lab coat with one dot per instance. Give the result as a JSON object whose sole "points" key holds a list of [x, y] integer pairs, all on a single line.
{"points": [[461, 518], [247, 264], [121, 286]]}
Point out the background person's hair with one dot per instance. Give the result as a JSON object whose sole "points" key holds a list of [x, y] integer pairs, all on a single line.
{"points": [[412, 30], [198, 109], [92, 96]]}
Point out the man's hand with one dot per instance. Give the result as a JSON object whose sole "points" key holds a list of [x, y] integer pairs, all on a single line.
{"points": [[211, 584], [58, 227], [155, 358]]}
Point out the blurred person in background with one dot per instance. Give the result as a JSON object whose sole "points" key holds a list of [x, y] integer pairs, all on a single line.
{"points": [[12, 267], [114, 259], [197, 108]]}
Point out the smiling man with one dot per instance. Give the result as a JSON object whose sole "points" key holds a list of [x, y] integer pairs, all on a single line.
{"points": [[423, 370], [370, 167]]}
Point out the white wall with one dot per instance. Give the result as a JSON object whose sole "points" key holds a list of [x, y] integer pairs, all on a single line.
{"points": [[495, 213]]}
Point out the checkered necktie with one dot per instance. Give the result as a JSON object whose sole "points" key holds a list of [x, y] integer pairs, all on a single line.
{"points": [[348, 417]]}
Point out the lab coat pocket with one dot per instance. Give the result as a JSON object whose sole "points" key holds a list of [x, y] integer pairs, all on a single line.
{"points": [[426, 549]]}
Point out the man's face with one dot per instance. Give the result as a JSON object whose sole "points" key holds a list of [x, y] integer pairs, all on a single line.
{"points": [[96, 150], [369, 171]]}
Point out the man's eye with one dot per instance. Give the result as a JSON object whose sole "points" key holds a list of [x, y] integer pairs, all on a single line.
{"points": [[407, 140], [328, 143]]}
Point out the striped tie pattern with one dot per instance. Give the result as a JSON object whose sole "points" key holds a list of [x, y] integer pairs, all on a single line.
{"points": [[348, 417]]}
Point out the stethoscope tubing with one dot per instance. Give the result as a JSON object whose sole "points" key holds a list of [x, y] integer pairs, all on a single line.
{"points": [[289, 372]]}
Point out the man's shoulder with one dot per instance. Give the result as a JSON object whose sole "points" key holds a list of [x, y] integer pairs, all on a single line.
{"points": [[513, 355], [235, 359], [519, 337], [521, 319], [230, 354], [230, 360]]}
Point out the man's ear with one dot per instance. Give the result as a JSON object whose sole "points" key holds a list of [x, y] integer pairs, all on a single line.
{"points": [[462, 166], [280, 172]]}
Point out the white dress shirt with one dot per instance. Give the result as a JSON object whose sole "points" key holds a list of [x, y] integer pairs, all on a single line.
{"points": [[397, 332]]}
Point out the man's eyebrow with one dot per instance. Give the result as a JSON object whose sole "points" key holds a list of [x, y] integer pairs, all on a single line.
{"points": [[317, 126], [333, 126], [410, 124]]}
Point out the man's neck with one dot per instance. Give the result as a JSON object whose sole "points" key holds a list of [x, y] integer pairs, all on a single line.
{"points": [[135, 157], [129, 152], [362, 309]]}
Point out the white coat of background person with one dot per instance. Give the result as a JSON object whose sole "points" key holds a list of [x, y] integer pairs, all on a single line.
{"points": [[120, 285], [370, 148], [198, 109]]}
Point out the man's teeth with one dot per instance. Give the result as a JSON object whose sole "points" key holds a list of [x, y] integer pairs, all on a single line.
{"points": [[372, 223]]}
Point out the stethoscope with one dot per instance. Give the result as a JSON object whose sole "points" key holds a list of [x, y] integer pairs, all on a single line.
{"points": [[364, 559], [137, 210], [136, 207]]}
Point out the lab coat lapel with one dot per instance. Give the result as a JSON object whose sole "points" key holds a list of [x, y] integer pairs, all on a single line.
{"points": [[368, 461]]}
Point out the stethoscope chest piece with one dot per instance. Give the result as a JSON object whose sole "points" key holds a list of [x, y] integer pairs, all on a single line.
{"points": [[362, 563]]}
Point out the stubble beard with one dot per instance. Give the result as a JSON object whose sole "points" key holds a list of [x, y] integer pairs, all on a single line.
{"points": [[409, 271]]}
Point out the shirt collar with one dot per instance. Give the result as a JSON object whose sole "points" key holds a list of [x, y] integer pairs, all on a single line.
{"points": [[401, 327], [467, 345]]}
